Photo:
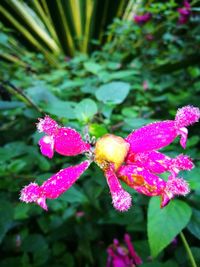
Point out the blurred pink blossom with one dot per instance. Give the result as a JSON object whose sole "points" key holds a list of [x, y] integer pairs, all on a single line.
{"points": [[122, 255], [145, 85], [142, 19], [80, 214], [149, 37], [184, 12]]}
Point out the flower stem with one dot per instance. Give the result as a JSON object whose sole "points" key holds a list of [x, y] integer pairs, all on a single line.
{"points": [[187, 248]]}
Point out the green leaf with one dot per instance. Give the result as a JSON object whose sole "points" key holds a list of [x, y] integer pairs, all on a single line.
{"points": [[21, 211], [159, 264], [3, 38], [194, 225], [130, 112], [58, 248], [128, 218], [86, 110], [117, 75], [92, 67], [192, 178], [74, 195], [34, 243], [62, 109], [71, 84], [107, 110], [37, 245], [43, 163], [165, 224], [17, 165], [15, 149], [97, 130], [40, 93], [196, 254], [192, 141], [4, 105], [11, 261], [113, 93], [69, 259], [135, 123], [6, 215]]}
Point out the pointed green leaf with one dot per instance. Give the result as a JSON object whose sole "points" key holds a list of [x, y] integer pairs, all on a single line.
{"points": [[6, 215], [74, 195], [92, 67], [194, 225], [113, 93], [85, 110], [165, 224]]}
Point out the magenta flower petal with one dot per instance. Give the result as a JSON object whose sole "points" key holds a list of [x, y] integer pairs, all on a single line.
{"points": [[152, 136], [174, 186], [54, 186], [186, 116], [134, 255], [181, 163], [151, 185], [187, 4], [47, 125], [68, 142], [122, 256], [184, 13], [120, 198], [65, 141], [157, 162], [142, 19], [159, 134], [142, 180], [46, 144], [177, 186], [63, 180], [33, 193], [119, 262], [114, 259], [153, 161]]}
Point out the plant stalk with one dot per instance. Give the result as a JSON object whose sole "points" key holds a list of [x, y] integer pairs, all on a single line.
{"points": [[188, 250], [22, 96]]}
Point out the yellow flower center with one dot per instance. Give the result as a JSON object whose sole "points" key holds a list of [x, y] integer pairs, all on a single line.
{"points": [[110, 149]]}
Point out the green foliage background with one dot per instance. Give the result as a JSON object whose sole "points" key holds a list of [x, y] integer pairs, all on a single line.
{"points": [[142, 74]]}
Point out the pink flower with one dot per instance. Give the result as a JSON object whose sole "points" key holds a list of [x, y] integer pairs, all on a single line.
{"points": [[134, 160], [184, 12], [145, 85], [142, 19], [121, 256], [149, 37]]}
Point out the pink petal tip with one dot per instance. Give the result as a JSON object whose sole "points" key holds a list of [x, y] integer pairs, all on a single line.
{"points": [[174, 186], [33, 193], [186, 116], [177, 186], [122, 201], [30, 193], [47, 125]]}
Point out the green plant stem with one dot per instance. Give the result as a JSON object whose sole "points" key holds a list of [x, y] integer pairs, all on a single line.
{"points": [[187, 248], [22, 96]]}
